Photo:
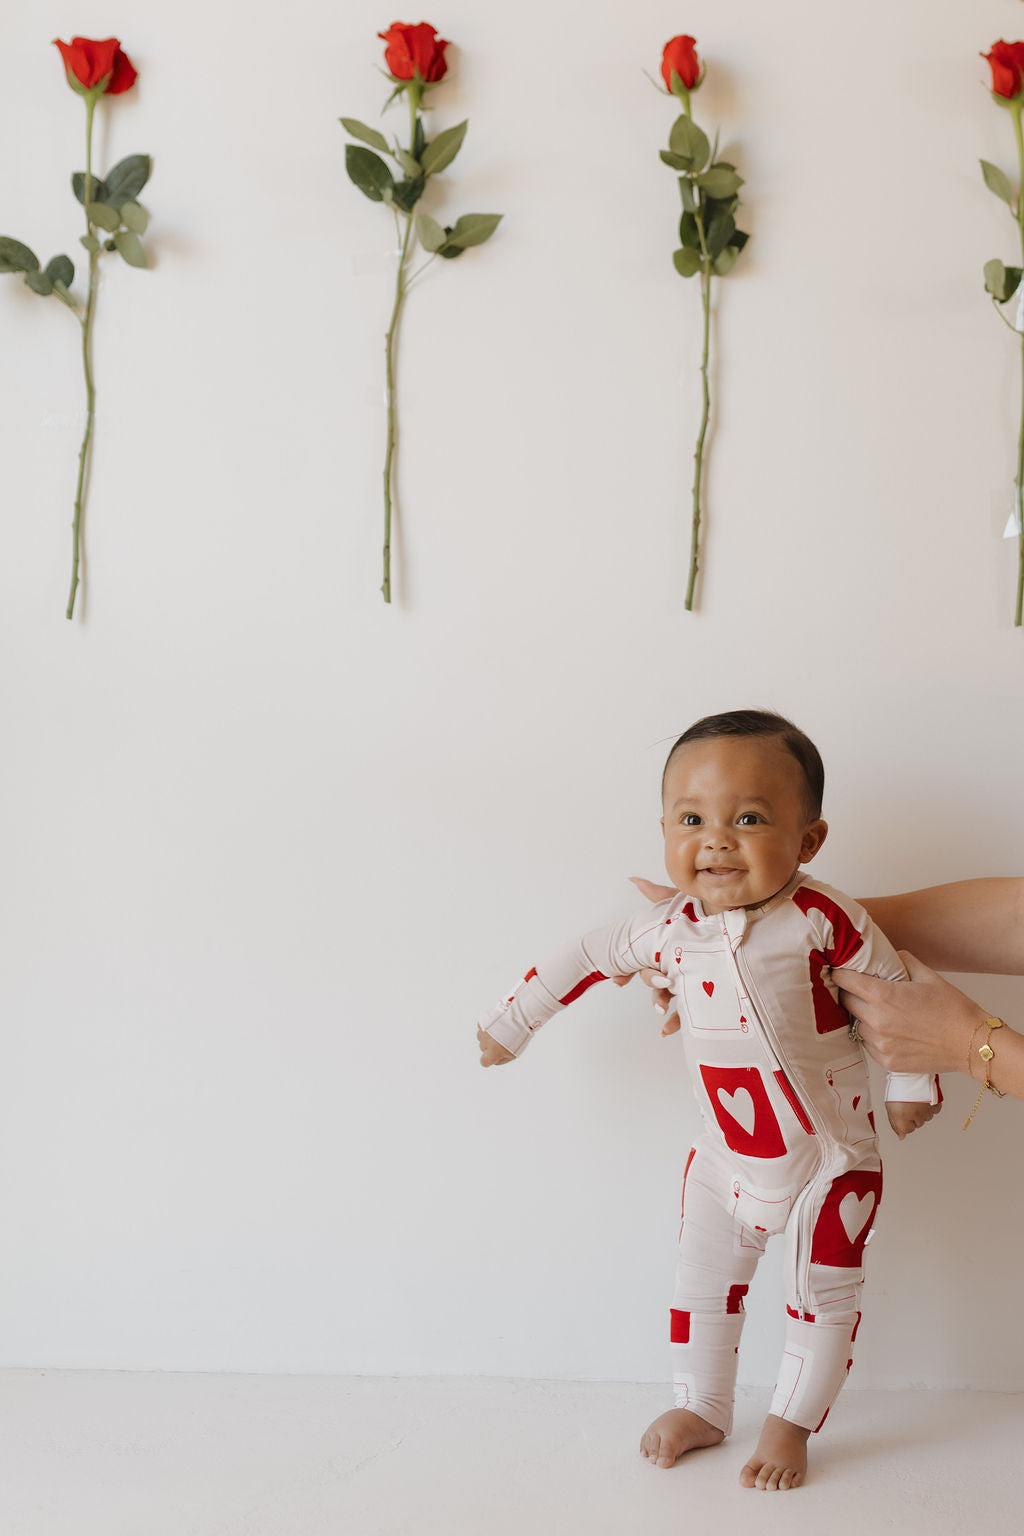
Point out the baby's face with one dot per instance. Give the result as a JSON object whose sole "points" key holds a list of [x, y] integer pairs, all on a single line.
{"points": [[736, 824]]}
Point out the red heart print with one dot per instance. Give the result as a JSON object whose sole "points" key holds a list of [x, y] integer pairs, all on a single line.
{"points": [[856, 1101], [708, 986]]}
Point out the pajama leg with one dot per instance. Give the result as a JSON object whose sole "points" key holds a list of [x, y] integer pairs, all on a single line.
{"points": [[824, 1304], [717, 1260]]}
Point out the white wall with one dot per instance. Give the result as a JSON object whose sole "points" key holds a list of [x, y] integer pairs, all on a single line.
{"points": [[268, 847]]}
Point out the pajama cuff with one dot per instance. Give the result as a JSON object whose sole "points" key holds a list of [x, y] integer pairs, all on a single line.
{"points": [[912, 1088]]}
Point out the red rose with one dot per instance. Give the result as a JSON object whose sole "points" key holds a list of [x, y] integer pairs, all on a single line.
{"points": [[413, 51], [88, 63], [1006, 60], [681, 55]]}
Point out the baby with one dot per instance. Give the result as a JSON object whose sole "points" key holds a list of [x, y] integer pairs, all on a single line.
{"points": [[788, 1140]]}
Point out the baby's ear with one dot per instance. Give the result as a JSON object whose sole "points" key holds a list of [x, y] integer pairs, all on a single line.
{"points": [[813, 838]]}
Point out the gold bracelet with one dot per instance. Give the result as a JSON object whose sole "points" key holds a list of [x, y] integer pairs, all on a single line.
{"points": [[986, 1053]]}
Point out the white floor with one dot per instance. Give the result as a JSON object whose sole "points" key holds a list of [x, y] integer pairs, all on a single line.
{"points": [[107, 1454]]}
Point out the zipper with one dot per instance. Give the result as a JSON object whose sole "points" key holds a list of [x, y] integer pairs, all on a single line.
{"points": [[777, 1060]]}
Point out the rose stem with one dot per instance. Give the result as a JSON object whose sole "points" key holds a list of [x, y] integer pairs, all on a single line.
{"points": [[389, 355], [698, 457], [389, 349], [1015, 108], [90, 392]]}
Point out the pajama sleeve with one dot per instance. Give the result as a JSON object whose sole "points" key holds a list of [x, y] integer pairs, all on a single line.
{"points": [[617, 950], [848, 937]]}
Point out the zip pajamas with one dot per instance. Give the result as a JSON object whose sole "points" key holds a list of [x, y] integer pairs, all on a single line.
{"points": [[788, 1141]]}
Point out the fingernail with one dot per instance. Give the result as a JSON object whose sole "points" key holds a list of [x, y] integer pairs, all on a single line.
{"points": [[661, 1007]]}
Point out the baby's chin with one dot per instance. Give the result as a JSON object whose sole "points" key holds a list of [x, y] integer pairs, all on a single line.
{"points": [[728, 891]]}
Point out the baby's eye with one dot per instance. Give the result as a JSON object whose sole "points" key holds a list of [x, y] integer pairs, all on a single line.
{"points": [[691, 819], [748, 819]]}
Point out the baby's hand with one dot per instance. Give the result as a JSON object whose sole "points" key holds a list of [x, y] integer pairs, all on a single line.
{"points": [[491, 1053], [904, 1117]]}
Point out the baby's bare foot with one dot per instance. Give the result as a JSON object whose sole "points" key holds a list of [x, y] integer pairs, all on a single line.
{"points": [[675, 1433], [780, 1460]]}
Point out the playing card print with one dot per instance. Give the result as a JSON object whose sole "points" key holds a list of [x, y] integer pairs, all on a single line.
{"points": [[740, 1103], [852, 1101], [844, 1223], [710, 999]]}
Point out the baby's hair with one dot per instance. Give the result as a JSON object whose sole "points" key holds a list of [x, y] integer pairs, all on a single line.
{"points": [[762, 722]]}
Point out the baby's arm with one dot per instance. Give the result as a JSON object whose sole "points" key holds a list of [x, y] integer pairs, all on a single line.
{"points": [[619, 949]]}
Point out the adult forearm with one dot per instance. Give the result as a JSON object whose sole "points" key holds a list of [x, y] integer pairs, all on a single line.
{"points": [[969, 925], [1006, 1069]]}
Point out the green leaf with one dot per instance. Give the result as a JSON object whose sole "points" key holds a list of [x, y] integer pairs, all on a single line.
{"points": [[997, 182], [411, 167], [449, 252], [130, 247], [677, 162], [717, 205], [687, 261], [1001, 282], [102, 214], [134, 218], [995, 277], [686, 193], [369, 172], [725, 261], [720, 181], [719, 233], [689, 234], [440, 152], [90, 242], [473, 229], [126, 180], [429, 232], [15, 257], [39, 283], [98, 188], [739, 240], [691, 142], [61, 269], [408, 193], [359, 130]]}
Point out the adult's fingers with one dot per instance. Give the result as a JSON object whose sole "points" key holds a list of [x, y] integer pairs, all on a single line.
{"points": [[916, 969], [867, 988], [652, 891]]}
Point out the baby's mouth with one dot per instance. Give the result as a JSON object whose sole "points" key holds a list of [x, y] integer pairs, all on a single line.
{"points": [[721, 871]]}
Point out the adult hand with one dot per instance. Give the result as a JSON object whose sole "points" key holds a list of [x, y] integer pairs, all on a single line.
{"points": [[921, 1025], [662, 997]]}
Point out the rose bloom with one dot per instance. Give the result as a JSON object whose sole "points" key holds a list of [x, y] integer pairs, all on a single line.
{"points": [[1006, 61], [681, 55], [89, 61], [415, 50]]}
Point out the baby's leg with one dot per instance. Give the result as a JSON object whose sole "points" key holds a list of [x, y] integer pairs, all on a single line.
{"points": [[814, 1367], [717, 1259], [819, 1342]]}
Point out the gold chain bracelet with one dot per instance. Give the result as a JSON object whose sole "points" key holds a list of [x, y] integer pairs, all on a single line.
{"points": [[986, 1053]]}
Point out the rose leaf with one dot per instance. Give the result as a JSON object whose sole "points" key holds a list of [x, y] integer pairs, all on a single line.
{"points": [[997, 182], [440, 152]]}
